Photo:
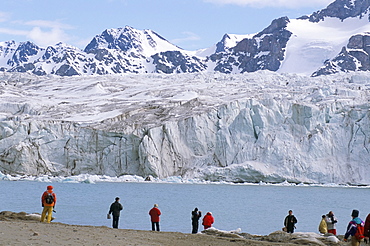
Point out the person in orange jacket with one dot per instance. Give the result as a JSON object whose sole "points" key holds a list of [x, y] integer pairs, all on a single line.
{"points": [[48, 201], [208, 220], [154, 217]]}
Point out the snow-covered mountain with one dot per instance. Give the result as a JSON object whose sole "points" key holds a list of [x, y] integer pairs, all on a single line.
{"points": [[213, 114], [336, 34], [327, 41], [125, 50], [145, 43], [249, 127]]}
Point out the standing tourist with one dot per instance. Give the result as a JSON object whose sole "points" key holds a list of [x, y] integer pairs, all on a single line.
{"points": [[154, 217], [367, 229], [323, 228], [290, 222], [331, 220], [353, 229], [48, 201], [208, 220], [195, 215], [115, 210]]}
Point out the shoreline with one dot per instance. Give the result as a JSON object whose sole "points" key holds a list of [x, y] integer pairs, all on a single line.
{"points": [[25, 229], [94, 178]]}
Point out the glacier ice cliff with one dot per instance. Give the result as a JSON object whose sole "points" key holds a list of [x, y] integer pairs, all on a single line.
{"points": [[254, 127]]}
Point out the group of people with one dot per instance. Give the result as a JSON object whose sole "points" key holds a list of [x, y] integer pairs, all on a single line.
{"points": [[208, 220], [155, 213], [327, 224], [357, 229], [116, 207], [49, 199]]}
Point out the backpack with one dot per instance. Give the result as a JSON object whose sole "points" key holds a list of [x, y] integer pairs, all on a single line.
{"points": [[359, 232], [49, 199]]}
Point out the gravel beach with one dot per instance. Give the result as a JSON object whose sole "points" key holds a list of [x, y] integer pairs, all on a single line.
{"points": [[25, 229]]}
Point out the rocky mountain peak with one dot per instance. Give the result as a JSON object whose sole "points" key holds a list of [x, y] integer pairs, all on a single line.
{"points": [[276, 26], [341, 9], [129, 39], [220, 46], [120, 38], [24, 51], [263, 51], [7, 48]]}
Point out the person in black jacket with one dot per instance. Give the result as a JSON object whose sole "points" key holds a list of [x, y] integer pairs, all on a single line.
{"points": [[290, 222], [115, 209], [195, 215]]}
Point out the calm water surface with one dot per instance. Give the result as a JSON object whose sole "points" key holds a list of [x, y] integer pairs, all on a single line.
{"points": [[256, 209]]}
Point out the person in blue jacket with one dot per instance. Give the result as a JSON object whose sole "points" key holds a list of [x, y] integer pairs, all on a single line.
{"points": [[352, 228]]}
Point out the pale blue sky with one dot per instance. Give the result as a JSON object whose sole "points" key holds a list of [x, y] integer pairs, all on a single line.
{"points": [[190, 24]]}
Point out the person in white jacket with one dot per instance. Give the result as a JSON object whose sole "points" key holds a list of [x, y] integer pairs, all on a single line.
{"points": [[331, 221]]}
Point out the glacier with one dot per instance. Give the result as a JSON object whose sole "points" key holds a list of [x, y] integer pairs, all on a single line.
{"points": [[254, 127]]}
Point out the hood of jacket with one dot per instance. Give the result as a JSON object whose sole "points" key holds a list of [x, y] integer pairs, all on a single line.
{"points": [[357, 220]]}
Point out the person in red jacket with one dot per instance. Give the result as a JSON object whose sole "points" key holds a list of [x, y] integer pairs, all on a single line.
{"points": [[48, 201], [154, 217], [367, 229], [208, 220]]}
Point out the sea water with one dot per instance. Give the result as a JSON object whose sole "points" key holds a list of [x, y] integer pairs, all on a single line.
{"points": [[255, 209]]}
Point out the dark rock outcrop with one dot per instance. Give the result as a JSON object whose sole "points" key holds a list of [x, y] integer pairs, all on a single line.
{"points": [[180, 63], [354, 57], [341, 9], [264, 51]]}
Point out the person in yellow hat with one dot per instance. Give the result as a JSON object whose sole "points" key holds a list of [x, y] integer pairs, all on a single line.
{"points": [[48, 201]]}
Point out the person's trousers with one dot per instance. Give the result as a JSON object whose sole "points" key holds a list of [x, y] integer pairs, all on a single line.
{"points": [[115, 221], [290, 229], [195, 225], [155, 225], [355, 241], [47, 210]]}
